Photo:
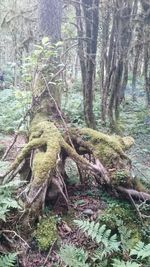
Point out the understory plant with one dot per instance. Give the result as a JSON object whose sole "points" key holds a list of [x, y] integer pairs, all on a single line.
{"points": [[8, 260], [111, 249], [7, 201]]}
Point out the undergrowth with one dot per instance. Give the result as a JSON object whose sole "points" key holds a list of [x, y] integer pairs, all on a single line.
{"points": [[112, 250], [14, 104], [7, 200]]}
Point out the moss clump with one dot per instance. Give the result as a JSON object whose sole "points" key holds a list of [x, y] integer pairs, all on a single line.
{"points": [[44, 163], [46, 233], [106, 147]]}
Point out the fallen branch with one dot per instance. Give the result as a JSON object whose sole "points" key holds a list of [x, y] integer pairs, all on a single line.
{"points": [[134, 193]]}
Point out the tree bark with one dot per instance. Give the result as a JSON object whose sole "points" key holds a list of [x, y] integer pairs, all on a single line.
{"points": [[146, 8], [50, 17], [87, 52]]}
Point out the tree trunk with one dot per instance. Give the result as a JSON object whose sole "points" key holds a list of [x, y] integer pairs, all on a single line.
{"points": [[109, 71], [44, 137], [121, 44], [87, 52], [137, 50], [50, 16], [146, 8], [147, 65], [124, 82]]}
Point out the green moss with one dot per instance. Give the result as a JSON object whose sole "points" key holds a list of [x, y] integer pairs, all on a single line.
{"points": [[106, 147], [46, 233], [44, 163], [47, 139]]}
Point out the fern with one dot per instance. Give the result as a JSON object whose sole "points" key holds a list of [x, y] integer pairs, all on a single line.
{"points": [[73, 257], [141, 250], [7, 202], [125, 236], [118, 263], [103, 263], [101, 235], [8, 260]]}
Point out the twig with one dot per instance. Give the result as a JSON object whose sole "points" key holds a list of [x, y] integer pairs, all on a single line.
{"points": [[68, 49], [57, 182], [49, 253], [12, 174], [15, 234], [137, 209], [134, 166]]}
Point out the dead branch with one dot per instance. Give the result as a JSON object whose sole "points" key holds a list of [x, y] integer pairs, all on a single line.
{"points": [[134, 193]]}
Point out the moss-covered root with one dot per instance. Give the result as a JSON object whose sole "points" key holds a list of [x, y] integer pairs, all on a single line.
{"points": [[96, 169], [105, 147], [46, 140]]}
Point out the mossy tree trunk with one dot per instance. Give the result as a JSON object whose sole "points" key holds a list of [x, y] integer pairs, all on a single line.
{"points": [[44, 139]]}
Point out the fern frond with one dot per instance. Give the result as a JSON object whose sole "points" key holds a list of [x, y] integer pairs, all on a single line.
{"points": [[141, 250], [7, 201], [125, 236], [100, 235], [12, 185], [8, 260], [118, 263], [73, 257]]}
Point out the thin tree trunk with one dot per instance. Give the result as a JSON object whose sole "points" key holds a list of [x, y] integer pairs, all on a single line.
{"points": [[109, 69], [87, 52], [124, 82], [146, 9]]}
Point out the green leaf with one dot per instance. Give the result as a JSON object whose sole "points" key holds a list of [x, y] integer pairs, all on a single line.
{"points": [[141, 250], [73, 257], [45, 40]]}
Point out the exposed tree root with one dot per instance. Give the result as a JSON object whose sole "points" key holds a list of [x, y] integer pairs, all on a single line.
{"points": [[91, 151], [134, 193]]}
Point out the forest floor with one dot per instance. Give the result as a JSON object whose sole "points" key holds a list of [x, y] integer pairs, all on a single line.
{"points": [[85, 201]]}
